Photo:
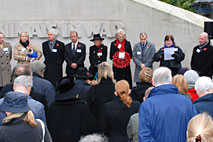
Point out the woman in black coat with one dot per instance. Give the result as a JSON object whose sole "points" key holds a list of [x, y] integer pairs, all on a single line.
{"points": [[121, 54], [102, 92], [145, 76], [116, 114], [174, 63], [97, 54], [68, 117], [20, 125]]}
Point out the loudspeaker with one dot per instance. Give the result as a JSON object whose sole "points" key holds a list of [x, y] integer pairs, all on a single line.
{"points": [[208, 27]]}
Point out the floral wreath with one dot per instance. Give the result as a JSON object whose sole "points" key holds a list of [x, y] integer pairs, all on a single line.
{"points": [[121, 63]]}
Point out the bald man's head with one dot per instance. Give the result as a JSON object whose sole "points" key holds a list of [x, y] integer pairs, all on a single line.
{"points": [[203, 38]]}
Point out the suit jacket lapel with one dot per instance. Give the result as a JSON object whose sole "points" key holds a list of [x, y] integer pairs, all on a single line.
{"points": [[69, 50], [146, 49], [47, 48]]}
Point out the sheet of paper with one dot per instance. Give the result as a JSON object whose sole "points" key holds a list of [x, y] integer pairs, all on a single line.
{"points": [[121, 55], [168, 53]]}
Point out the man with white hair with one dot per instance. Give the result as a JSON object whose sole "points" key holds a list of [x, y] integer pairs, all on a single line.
{"points": [[22, 85], [202, 59], [53, 51], [204, 88], [164, 116]]}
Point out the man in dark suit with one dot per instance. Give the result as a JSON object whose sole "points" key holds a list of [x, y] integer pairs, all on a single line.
{"points": [[53, 51], [75, 53]]}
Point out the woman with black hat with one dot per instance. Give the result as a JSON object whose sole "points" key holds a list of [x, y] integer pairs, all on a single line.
{"points": [[97, 54], [20, 125], [68, 117]]}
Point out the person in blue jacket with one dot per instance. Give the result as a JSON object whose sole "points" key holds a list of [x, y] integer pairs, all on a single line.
{"points": [[164, 116], [204, 89]]}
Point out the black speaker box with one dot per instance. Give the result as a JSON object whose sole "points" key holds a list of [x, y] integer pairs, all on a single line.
{"points": [[208, 27]]}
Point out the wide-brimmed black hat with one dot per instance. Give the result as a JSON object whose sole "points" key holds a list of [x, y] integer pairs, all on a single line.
{"points": [[15, 102], [83, 73], [67, 89], [97, 37]]}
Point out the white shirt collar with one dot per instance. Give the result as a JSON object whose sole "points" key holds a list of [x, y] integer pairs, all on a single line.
{"points": [[75, 44]]}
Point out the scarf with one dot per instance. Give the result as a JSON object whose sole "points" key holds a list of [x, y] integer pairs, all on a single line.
{"points": [[201, 46], [25, 44], [99, 49], [122, 49], [169, 46]]}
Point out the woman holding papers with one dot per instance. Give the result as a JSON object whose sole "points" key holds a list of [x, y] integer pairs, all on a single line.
{"points": [[170, 55], [121, 54]]}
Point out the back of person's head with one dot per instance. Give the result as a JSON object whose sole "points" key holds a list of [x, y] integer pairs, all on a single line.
{"points": [[181, 83], [147, 92], [23, 69], [37, 66], [200, 128], [94, 138], [15, 105], [191, 77], [122, 90], [162, 76], [146, 74], [204, 84], [24, 81], [182, 70], [105, 71]]}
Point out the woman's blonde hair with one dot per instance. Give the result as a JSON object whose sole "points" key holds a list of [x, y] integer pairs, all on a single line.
{"points": [[120, 31], [122, 90], [29, 118], [105, 71], [148, 91], [200, 128], [181, 83], [146, 74], [25, 33]]}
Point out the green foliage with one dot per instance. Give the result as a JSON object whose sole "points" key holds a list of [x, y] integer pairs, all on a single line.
{"points": [[185, 4]]}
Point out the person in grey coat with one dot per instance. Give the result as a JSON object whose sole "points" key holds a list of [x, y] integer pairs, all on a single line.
{"points": [[143, 53]]}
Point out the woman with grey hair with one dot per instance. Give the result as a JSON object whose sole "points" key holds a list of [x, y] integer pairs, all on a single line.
{"points": [[103, 92], [94, 138], [191, 77], [121, 54]]}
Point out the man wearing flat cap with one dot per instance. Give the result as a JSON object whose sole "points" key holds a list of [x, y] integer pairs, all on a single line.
{"points": [[97, 54], [40, 84], [53, 51]]}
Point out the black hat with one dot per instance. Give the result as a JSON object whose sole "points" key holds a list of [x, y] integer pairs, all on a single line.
{"points": [[15, 102], [67, 89], [82, 73], [97, 37]]}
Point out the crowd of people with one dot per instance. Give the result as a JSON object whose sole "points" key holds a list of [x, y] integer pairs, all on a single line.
{"points": [[101, 104]]}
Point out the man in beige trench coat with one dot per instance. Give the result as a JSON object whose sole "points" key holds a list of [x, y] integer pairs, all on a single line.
{"points": [[5, 57]]}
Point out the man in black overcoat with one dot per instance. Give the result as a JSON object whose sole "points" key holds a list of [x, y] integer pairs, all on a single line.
{"points": [[202, 59], [53, 51]]}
